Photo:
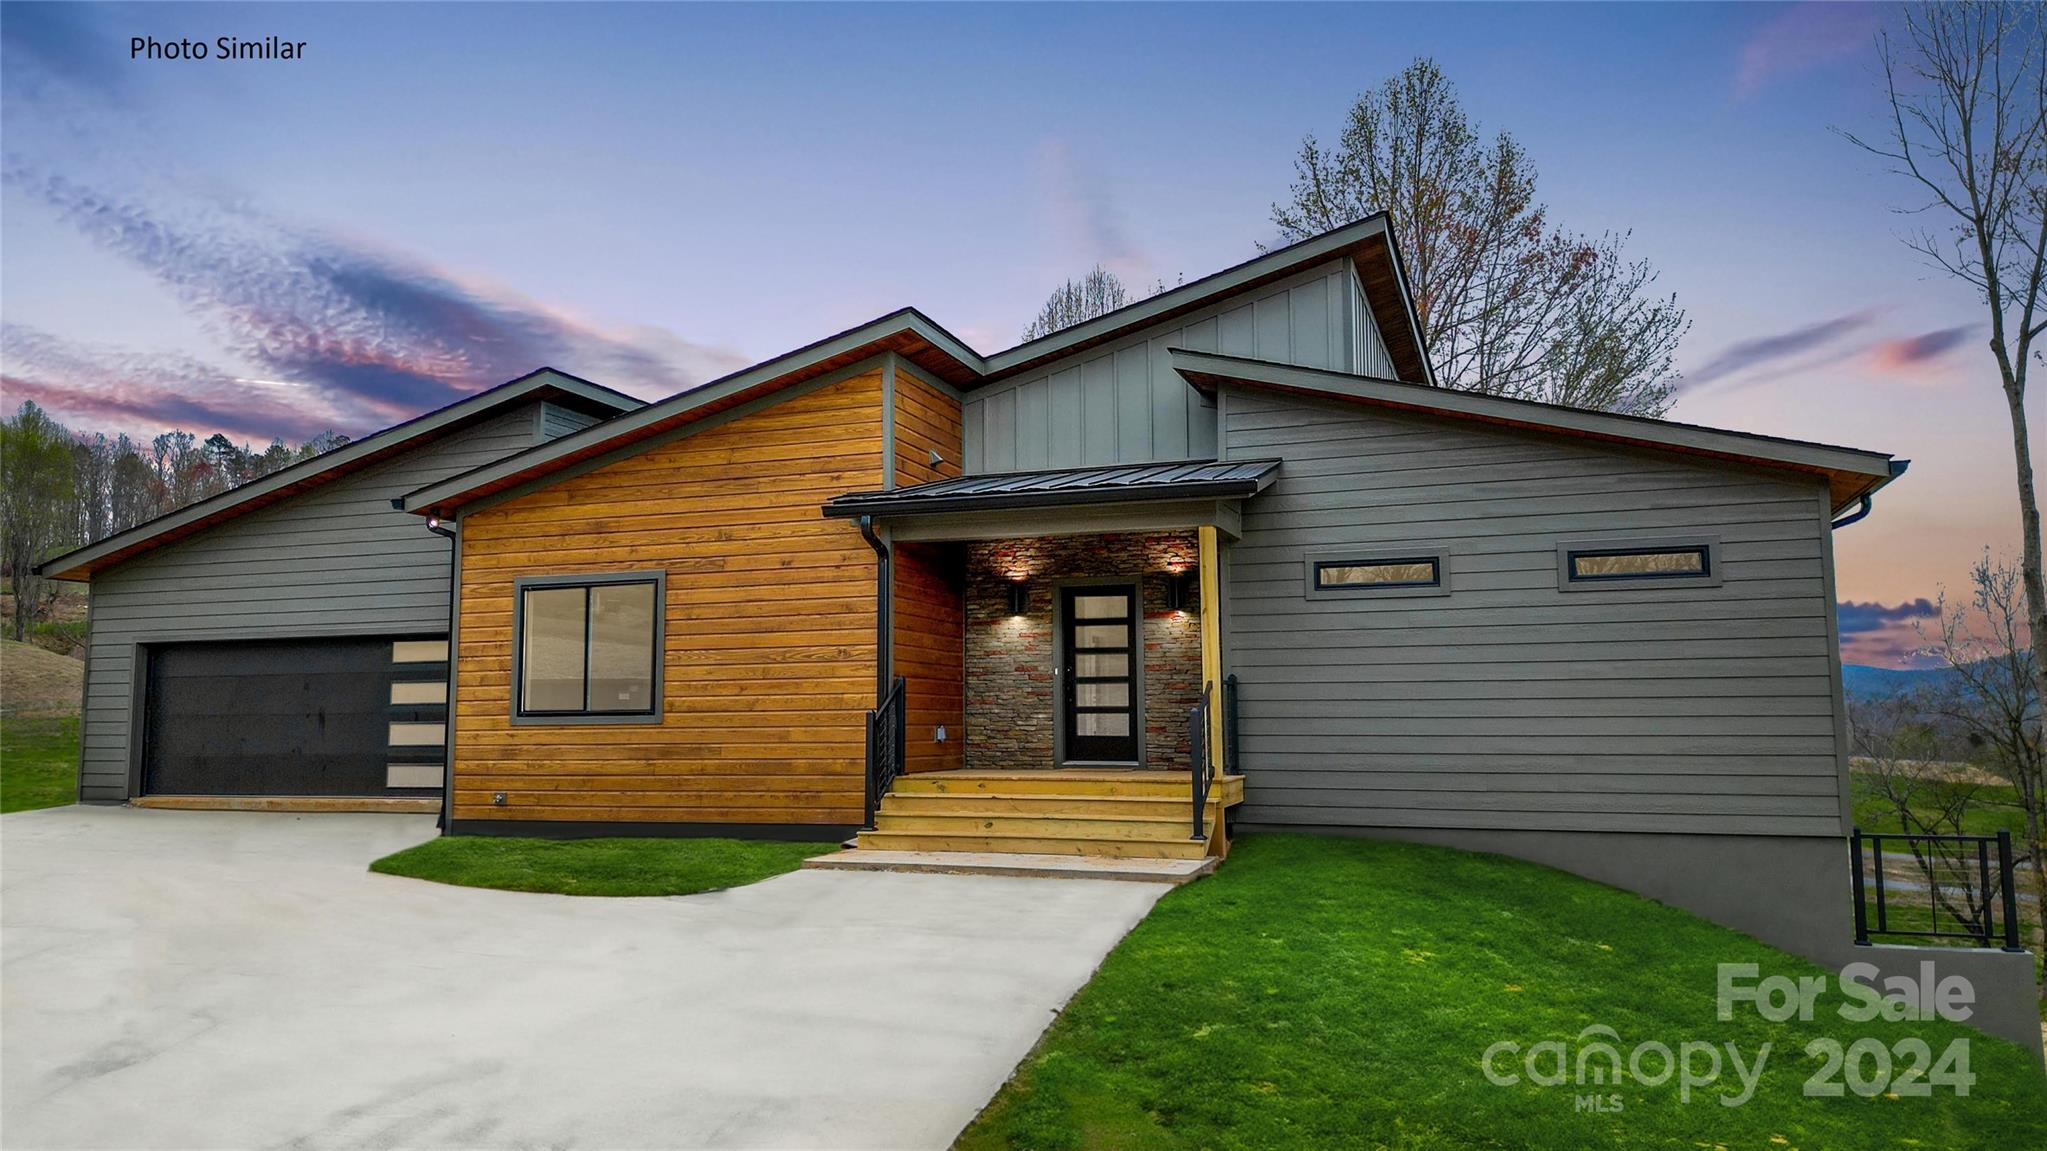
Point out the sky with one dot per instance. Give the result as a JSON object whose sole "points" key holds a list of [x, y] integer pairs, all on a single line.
{"points": [[436, 198]]}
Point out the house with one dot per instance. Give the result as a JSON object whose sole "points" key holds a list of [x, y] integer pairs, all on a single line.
{"points": [[1224, 559], [289, 637]]}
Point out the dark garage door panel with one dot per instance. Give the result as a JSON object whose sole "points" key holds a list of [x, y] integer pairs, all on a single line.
{"points": [[290, 717]]}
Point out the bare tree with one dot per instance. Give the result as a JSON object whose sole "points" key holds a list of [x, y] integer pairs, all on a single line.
{"points": [[1991, 698], [1901, 761], [1509, 305], [1077, 301], [1968, 126]]}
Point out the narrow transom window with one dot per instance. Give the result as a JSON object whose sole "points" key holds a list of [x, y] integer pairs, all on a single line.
{"points": [[589, 649], [1415, 571], [1587, 566]]}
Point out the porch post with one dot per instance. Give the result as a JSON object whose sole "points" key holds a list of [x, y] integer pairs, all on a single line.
{"points": [[1211, 639]]}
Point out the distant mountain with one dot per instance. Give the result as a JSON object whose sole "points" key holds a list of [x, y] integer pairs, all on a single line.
{"points": [[1874, 682]]}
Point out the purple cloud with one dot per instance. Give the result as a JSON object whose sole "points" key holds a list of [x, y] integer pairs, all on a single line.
{"points": [[93, 388], [1799, 38], [1760, 359], [380, 337], [1863, 617], [1913, 352]]}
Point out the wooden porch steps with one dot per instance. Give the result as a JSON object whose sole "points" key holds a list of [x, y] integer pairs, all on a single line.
{"points": [[1017, 865], [1105, 813]]}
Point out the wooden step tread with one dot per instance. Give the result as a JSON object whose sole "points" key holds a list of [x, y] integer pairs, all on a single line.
{"points": [[1117, 819], [1047, 797], [1018, 865], [1028, 843]]}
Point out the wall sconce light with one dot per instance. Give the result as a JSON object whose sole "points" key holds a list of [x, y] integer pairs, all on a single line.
{"points": [[1019, 597], [1183, 591]]}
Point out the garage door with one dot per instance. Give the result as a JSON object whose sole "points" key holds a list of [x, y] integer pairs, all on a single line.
{"points": [[296, 717]]}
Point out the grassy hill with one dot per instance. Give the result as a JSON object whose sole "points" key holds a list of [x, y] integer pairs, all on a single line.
{"points": [[39, 697], [1323, 992]]}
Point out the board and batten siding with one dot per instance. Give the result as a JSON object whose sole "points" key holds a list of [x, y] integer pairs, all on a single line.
{"points": [[1509, 704], [337, 560], [769, 660], [1122, 403]]}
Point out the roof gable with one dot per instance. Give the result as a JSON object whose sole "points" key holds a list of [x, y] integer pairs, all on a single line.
{"points": [[1851, 473], [544, 384], [1367, 242], [919, 340]]}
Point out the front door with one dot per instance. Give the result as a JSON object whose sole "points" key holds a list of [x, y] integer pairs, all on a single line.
{"points": [[1099, 665]]}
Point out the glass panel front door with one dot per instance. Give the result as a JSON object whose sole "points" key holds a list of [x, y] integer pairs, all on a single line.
{"points": [[1099, 667]]}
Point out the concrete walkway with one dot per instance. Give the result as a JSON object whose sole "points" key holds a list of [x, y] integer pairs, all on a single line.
{"points": [[229, 979]]}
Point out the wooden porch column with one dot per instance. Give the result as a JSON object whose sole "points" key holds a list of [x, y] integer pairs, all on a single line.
{"points": [[1211, 640]]}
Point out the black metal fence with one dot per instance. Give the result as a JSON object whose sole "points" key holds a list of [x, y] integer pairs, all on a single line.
{"points": [[1230, 764], [1202, 772], [1935, 887], [887, 735]]}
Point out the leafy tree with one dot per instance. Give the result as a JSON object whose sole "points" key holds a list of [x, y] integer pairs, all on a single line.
{"points": [[1968, 128], [1509, 305], [37, 512], [1077, 301]]}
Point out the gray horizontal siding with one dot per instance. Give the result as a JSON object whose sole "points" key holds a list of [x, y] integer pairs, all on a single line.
{"points": [[1123, 403], [1507, 703], [557, 421], [337, 560]]}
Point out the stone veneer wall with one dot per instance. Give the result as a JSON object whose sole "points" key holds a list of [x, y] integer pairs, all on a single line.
{"points": [[1011, 701]]}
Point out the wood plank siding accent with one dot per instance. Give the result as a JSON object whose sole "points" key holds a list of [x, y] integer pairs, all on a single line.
{"points": [[1506, 703], [770, 655], [930, 603], [335, 560]]}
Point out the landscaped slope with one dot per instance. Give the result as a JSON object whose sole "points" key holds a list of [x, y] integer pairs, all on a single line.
{"points": [[1343, 993]]}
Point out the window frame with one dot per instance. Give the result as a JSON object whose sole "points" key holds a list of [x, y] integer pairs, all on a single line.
{"points": [[524, 584], [1708, 548], [1435, 554]]}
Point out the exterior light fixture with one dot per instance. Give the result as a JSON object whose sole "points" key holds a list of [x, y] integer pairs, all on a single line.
{"points": [[1019, 597], [1183, 591]]}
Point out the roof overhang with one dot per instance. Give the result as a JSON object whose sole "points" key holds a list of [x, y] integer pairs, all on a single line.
{"points": [[921, 342], [1851, 473], [545, 384], [1064, 488], [1368, 243], [907, 333]]}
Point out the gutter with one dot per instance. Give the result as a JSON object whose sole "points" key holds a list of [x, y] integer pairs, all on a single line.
{"points": [[846, 507], [1868, 500], [884, 628]]}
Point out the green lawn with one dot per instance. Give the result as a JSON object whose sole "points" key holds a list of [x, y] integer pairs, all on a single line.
{"points": [[1343, 993], [38, 762], [598, 866]]}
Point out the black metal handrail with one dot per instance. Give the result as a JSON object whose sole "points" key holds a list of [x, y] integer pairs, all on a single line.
{"points": [[1201, 772], [1958, 877], [887, 736], [1230, 764]]}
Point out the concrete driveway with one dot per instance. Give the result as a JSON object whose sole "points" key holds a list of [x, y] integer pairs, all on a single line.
{"points": [[197, 979]]}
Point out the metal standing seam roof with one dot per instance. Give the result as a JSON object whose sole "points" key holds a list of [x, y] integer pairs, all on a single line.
{"points": [[1194, 479]]}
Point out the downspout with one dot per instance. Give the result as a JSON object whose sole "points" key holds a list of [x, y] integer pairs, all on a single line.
{"points": [[1861, 511], [434, 525], [1863, 505], [883, 626]]}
